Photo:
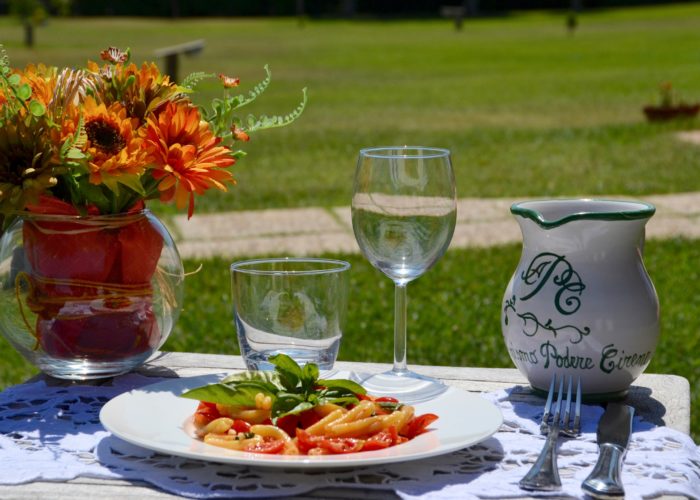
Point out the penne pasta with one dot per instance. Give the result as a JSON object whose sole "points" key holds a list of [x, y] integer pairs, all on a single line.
{"points": [[321, 430]]}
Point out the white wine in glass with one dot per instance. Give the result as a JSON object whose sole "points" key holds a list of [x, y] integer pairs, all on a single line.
{"points": [[404, 209]]}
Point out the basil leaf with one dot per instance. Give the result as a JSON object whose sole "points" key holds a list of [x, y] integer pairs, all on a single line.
{"points": [[342, 400], [289, 371], [285, 402], [261, 376], [223, 394], [309, 376], [263, 383], [349, 385], [301, 407]]}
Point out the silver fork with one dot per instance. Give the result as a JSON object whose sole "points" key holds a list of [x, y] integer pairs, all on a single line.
{"points": [[544, 474]]}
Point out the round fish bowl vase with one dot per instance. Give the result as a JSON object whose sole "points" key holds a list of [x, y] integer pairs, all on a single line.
{"points": [[88, 297]]}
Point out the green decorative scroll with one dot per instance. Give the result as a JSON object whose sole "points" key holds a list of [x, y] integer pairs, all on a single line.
{"points": [[532, 325]]}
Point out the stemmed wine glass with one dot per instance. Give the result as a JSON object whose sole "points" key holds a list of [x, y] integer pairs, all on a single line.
{"points": [[404, 210]]}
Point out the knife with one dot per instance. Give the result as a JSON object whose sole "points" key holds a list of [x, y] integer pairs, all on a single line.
{"points": [[614, 430]]}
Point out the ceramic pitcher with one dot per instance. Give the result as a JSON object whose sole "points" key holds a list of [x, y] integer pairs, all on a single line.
{"points": [[580, 301]]}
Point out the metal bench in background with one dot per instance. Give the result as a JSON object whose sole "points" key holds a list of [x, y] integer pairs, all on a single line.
{"points": [[173, 52], [454, 12]]}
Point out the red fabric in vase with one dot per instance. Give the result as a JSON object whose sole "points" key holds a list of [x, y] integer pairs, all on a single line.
{"points": [[91, 284]]}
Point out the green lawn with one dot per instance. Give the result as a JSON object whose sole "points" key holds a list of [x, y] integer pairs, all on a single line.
{"points": [[526, 109]]}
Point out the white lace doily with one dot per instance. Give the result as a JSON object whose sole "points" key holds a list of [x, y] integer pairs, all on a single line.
{"points": [[54, 433]]}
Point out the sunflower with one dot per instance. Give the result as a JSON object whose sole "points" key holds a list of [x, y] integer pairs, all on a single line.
{"points": [[141, 90], [27, 163], [186, 155], [112, 145]]}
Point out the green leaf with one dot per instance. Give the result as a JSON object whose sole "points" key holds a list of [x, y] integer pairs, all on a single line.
{"points": [[309, 376], [74, 154], [224, 394], [14, 79], [341, 401], [36, 108], [24, 92], [212, 393], [129, 81], [265, 122], [193, 79], [289, 404], [133, 182], [266, 377], [348, 385], [289, 371]]}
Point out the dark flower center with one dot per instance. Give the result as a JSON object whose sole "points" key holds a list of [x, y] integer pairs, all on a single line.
{"points": [[105, 136]]}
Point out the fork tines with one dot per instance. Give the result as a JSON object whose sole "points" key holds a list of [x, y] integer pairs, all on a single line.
{"points": [[553, 409], [544, 474]]}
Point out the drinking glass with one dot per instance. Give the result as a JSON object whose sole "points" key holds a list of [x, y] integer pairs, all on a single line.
{"points": [[292, 306], [404, 210]]}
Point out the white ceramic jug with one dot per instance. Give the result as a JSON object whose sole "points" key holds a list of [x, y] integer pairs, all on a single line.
{"points": [[581, 302]]}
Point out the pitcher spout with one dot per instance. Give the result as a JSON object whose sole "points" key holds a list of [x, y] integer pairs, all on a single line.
{"points": [[549, 214]]}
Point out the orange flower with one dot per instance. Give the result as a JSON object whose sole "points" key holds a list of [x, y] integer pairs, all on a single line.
{"points": [[114, 55], [148, 90], [229, 81], [186, 155], [238, 134], [113, 146], [42, 81]]}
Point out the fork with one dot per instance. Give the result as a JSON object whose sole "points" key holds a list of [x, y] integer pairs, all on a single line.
{"points": [[544, 474]]}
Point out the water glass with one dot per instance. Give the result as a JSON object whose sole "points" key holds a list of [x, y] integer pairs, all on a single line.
{"points": [[291, 306]]}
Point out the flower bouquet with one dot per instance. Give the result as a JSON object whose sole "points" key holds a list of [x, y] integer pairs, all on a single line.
{"points": [[91, 280]]}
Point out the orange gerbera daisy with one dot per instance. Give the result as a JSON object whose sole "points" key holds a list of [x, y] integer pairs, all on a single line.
{"points": [[186, 155], [113, 145], [42, 81]]}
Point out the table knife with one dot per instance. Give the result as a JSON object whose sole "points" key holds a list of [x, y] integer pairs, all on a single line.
{"points": [[614, 430]]}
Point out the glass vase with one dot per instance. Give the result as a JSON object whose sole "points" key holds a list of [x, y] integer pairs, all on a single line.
{"points": [[85, 297]]}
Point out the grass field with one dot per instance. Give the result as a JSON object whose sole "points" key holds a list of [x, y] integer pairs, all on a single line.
{"points": [[526, 109]]}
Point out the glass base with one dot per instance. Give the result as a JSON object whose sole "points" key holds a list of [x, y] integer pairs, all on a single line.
{"points": [[406, 386], [84, 369]]}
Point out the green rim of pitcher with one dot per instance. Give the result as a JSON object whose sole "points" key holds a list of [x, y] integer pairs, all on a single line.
{"points": [[643, 210]]}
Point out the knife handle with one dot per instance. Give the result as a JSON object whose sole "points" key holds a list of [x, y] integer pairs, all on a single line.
{"points": [[604, 481]]}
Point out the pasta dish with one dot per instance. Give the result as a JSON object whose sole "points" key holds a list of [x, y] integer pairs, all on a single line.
{"points": [[293, 412]]}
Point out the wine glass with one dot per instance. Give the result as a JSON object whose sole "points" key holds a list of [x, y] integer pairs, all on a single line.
{"points": [[404, 210]]}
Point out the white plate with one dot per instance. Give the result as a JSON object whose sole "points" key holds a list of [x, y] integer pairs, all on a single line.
{"points": [[154, 417]]}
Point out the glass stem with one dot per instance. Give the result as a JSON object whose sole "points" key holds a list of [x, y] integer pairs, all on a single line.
{"points": [[400, 329]]}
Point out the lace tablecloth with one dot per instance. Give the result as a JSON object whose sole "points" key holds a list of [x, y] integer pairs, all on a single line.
{"points": [[54, 434]]}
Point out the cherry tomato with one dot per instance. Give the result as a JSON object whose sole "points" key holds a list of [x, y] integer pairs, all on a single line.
{"points": [[288, 424], [306, 442], [205, 413], [417, 425], [308, 418], [386, 399], [381, 440], [342, 445], [240, 425], [271, 447]]}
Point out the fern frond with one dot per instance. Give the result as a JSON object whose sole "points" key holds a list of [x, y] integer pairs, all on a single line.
{"points": [[263, 122], [4, 61], [242, 100], [193, 79]]}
